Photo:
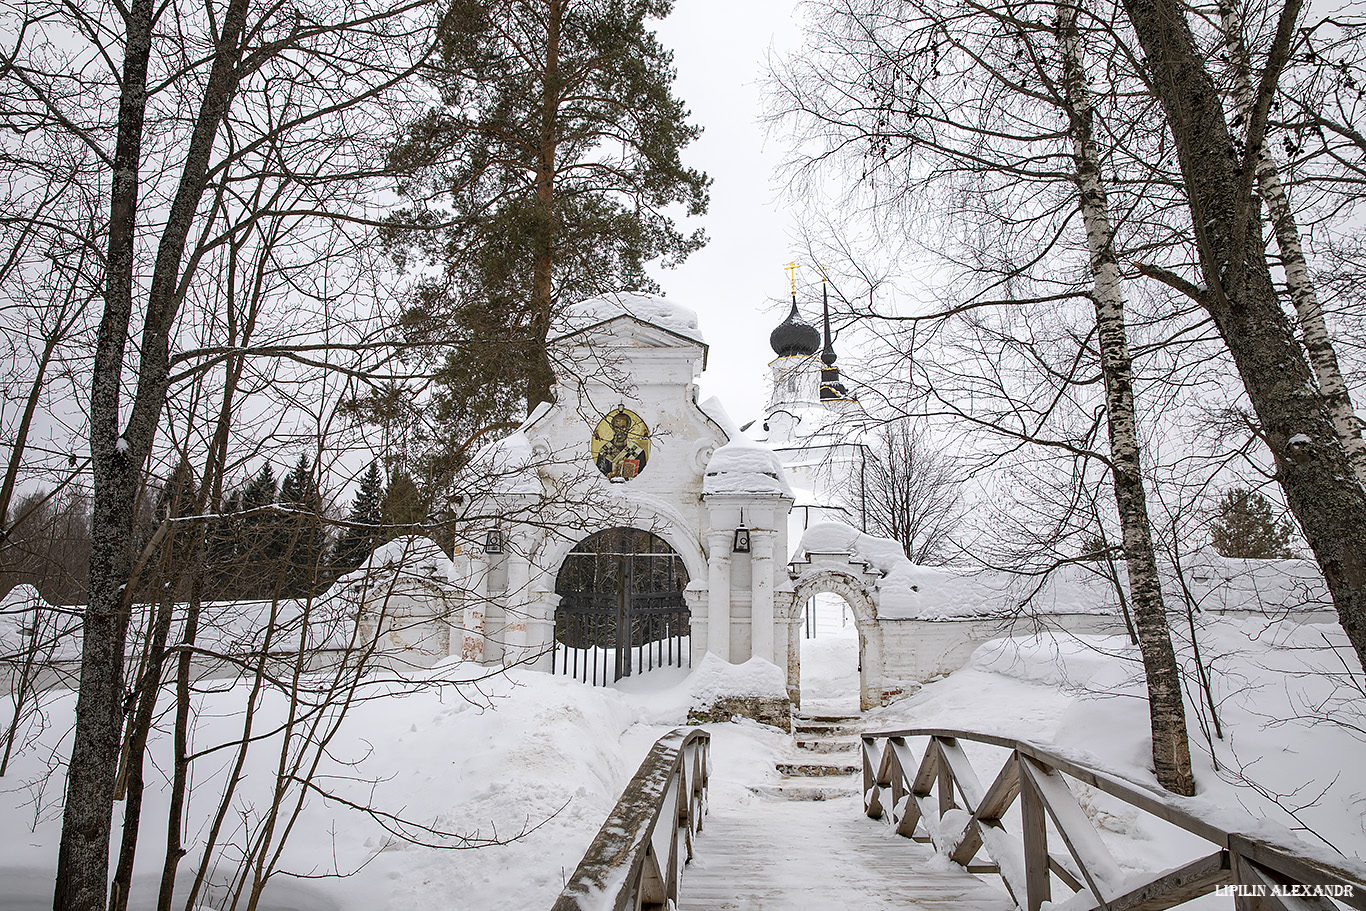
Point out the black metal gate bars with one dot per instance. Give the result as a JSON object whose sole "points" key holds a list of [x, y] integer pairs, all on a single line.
{"points": [[621, 607]]}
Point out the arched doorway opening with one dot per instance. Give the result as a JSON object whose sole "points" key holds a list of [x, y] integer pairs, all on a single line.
{"points": [[829, 656], [621, 607], [827, 598]]}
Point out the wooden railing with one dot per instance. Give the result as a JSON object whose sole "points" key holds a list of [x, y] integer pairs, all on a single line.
{"points": [[964, 818], [636, 858]]}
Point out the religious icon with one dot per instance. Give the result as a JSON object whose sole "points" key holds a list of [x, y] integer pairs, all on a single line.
{"points": [[621, 445]]}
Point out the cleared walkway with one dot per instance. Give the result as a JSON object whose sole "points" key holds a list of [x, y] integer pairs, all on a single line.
{"points": [[805, 844], [776, 855]]}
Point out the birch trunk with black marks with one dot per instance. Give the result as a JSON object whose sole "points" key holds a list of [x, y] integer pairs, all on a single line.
{"points": [[1311, 465], [1323, 357], [1167, 715]]}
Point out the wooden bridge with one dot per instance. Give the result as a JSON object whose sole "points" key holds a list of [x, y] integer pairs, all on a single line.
{"points": [[948, 842]]}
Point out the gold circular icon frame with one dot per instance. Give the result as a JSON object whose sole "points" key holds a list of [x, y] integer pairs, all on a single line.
{"points": [[621, 445]]}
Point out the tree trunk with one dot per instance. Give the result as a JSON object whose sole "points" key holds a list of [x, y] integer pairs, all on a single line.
{"points": [[1167, 714], [117, 458], [83, 855], [1313, 330], [542, 373], [1311, 466], [149, 687]]}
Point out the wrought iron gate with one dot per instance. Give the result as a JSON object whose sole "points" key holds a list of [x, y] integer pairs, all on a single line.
{"points": [[621, 607]]}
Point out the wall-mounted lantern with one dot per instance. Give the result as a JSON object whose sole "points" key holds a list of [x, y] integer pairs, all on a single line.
{"points": [[493, 542], [741, 543]]}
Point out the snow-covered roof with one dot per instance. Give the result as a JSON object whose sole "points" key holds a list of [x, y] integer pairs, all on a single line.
{"points": [[713, 409], [411, 556], [507, 466], [744, 467], [648, 308]]}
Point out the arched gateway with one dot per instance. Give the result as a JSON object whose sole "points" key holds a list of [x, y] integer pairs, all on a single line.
{"points": [[621, 607], [839, 575]]}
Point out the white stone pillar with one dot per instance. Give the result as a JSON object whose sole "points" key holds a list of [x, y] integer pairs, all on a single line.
{"points": [[472, 647], [515, 640], [761, 589], [541, 627], [718, 596]]}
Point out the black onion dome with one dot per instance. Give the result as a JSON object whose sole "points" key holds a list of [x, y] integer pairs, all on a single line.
{"points": [[794, 337]]}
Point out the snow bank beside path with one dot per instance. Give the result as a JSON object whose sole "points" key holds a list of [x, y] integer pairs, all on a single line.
{"points": [[517, 751], [1291, 713]]}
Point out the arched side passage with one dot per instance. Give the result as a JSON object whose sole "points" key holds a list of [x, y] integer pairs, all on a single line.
{"points": [[851, 583]]}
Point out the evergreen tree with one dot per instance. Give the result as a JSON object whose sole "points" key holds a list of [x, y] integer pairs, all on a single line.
{"points": [[552, 157], [403, 503], [174, 500], [305, 538], [222, 542], [1245, 526], [359, 538], [263, 540]]}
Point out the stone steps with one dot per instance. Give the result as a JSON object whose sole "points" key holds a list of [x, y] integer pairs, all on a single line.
{"points": [[825, 764], [805, 769], [819, 745]]}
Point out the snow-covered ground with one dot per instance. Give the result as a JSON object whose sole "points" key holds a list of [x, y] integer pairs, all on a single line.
{"points": [[522, 752], [1291, 714], [544, 754]]}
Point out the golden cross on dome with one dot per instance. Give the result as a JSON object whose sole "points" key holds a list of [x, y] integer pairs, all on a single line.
{"points": [[792, 274]]}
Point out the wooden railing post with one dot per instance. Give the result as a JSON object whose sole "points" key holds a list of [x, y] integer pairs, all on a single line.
{"points": [[945, 782], [1034, 826]]}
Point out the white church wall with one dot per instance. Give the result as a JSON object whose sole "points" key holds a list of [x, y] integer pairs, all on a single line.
{"points": [[916, 651]]}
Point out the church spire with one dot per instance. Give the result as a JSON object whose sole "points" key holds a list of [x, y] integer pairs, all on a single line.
{"points": [[831, 387], [828, 354]]}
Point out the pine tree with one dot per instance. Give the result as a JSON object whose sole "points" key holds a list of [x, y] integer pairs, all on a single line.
{"points": [[305, 538], [174, 500], [222, 541], [262, 543], [403, 502], [553, 157], [363, 521], [1245, 526]]}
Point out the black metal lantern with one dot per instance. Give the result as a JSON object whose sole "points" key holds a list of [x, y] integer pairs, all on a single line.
{"points": [[493, 542], [741, 543]]}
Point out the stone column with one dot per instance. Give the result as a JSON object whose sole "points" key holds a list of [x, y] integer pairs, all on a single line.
{"points": [[718, 596], [761, 589], [472, 647], [540, 607], [515, 611]]}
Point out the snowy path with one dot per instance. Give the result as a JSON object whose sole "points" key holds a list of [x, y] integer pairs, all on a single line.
{"points": [[776, 855]]}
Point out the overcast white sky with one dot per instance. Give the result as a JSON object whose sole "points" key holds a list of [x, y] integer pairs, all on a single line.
{"points": [[720, 48]]}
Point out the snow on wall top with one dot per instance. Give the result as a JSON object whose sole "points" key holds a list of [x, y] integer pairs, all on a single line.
{"points": [[647, 308], [745, 467], [411, 556], [507, 466], [714, 679], [913, 592], [713, 409]]}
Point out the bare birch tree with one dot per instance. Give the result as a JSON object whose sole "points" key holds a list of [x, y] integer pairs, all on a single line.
{"points": [[995, 136], [1236, 289], [1300, 284], [170, 104]]}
